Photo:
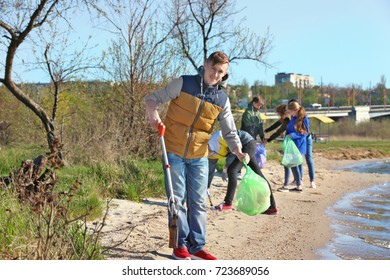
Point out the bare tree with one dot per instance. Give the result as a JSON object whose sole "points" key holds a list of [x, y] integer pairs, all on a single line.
{"points": [[206, 26], [45, 23], [17, 22], [62, 64], [140, 58], [140, 52]]}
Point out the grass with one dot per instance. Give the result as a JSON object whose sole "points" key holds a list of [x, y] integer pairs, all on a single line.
{"points": [[12, 157], [128, 179]]}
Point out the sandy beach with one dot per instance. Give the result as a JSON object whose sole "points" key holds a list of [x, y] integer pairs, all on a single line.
{"points": [[136, 231]]}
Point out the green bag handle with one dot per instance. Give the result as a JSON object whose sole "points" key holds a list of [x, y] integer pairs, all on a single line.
{"points": [[244, 162]]}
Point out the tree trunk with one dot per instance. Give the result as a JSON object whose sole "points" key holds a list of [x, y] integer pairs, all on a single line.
{"points": [[38, 110]]}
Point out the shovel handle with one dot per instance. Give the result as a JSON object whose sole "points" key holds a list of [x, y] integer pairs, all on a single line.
{"points": [[161, 129]]}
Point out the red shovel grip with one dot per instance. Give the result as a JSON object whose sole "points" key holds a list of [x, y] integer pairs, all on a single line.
{"points": [[161, 129]]}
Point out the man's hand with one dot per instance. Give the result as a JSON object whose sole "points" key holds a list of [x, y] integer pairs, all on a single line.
{"points": [[153, 118], [152, 114], [247, 158], [242, 156]]}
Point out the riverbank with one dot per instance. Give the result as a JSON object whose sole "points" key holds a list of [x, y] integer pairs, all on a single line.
{"points": [[301, 226]]}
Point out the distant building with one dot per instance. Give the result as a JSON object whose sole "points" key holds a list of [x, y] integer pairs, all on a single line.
{"points": [[298, 80]]}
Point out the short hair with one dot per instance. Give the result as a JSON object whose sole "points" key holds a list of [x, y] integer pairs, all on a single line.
{"points": [[292, 100], [217, 58], [257, 99]]}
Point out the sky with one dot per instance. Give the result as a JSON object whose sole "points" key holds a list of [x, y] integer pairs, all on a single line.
{"points": [[337, 42]]}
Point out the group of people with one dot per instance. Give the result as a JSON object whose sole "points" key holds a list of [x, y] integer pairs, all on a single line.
{"points": [[297, 127], [196, 103]]}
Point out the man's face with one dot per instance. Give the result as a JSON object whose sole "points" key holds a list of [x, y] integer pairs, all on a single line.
{"points": [[213, 73], [257, 105]]}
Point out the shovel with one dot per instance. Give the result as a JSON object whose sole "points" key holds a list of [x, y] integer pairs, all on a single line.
{"points": [[172, 204]]}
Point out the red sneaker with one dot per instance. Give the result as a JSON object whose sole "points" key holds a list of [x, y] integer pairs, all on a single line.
{"points": [[203, 255], [271, 211], [181, 254], [223, 207]]}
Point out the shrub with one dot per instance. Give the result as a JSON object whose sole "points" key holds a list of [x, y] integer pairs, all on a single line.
{"points": [[37, 219]]}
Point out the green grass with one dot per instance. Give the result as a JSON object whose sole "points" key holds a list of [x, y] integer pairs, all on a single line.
{"points": [[14, 227], [382, 146], [128, 179], [12, 157]]}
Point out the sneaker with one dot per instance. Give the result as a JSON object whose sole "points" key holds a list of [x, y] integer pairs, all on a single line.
{"points": [[223, 207], [313, 185], [283, 189], [297, 189], [271, 211], [293, 183], [181, 254], [203, 255]]}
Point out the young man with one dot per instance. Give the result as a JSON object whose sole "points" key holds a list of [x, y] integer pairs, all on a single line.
{"points": [[252, 121], [196, 102]]}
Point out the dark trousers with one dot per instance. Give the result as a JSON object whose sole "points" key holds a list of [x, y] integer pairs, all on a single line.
{"points": [[212, 165], [236, 166]]}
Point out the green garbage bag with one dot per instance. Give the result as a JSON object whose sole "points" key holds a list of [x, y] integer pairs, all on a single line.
{"points": [[291, 155], [253, 193]]}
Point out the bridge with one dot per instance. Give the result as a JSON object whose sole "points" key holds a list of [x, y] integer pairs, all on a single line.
{"points": [[328, 115], [358, 113]]}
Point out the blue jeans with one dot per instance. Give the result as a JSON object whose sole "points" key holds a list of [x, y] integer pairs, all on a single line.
{"points": [[286, 175], [309, 157], [189, 183], [309, 161], [297, 172]]}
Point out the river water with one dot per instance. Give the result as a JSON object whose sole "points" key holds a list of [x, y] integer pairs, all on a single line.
{"points": [[361, 220]]}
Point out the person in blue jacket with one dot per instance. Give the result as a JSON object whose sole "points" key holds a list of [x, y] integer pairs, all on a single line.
{"points": [[297, 130]]}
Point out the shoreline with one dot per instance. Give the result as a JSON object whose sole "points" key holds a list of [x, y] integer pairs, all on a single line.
{"points": [[300, 228]]}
